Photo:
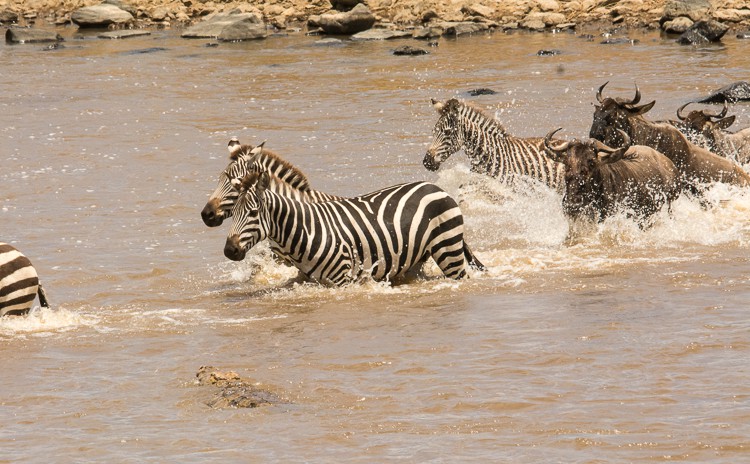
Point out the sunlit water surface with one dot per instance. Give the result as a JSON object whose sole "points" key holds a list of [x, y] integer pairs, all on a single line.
{"points": [[610, 344]]}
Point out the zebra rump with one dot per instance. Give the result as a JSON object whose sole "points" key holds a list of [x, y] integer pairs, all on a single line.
{"points": [[19, 283], [383, 234]]}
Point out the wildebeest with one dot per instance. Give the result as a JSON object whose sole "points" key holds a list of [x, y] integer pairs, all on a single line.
{"points": [[712, 129], [696, 165], [600, 180]]}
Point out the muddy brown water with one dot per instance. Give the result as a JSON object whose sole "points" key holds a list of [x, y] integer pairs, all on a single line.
{"points": [[623, 345]]}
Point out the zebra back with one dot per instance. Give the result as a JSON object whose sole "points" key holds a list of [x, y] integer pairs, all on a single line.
{"points": [[491, 150], [19, 282]]}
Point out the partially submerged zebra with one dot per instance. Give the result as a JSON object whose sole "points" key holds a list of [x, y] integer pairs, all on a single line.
{"points": [[244, 159], [491, 150], [383, 234], [19, 283]]}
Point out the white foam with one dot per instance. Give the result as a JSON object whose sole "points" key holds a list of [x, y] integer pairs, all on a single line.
{"points": [[41, 322]]}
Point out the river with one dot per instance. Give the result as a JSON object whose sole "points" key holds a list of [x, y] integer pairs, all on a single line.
{"points": [[621, 344]]}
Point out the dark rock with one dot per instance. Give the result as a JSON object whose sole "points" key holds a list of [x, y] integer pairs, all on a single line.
{"points": [[743, 35], [359, 19], [696, 10], [123, 6], [330, 41], [100, 16], [552, 52], [29, 35], [143, 51], [54, 46], [212, 44], [231, 26], [703, 32], [587, 37], [345, 5], [406, 50], [481, 91], [737, 91], [463, 28]]}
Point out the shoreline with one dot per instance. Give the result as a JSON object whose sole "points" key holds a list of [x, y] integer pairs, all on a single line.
{"points": [[534, 15]]}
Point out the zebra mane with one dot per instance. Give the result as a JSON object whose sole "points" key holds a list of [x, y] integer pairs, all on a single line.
{"points": [[271, 161], [491, 121]]}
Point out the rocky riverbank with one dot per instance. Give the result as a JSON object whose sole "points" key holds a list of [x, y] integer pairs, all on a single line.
{"points": [[670, 15]]}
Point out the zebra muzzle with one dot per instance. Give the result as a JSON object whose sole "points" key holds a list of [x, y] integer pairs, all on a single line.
{"points": [[430, 163], [233, 250], [210, 216]]}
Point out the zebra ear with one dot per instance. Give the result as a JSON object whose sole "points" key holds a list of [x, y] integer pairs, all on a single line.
{"points": [[237, 184], [257, 149], [437, 105]]}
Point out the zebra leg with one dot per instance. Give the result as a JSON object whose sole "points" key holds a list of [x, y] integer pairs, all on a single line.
{"points": [[450, 259], [472, 260], [42, 297]]}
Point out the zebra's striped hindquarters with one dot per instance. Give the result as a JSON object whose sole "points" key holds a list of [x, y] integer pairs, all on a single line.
{"points": [[19, 282]]}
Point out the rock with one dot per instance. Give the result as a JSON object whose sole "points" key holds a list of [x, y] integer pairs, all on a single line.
{"points": [[548, 5], [477, 9], [619, 41], [677, 25], [100, 16], [124, 34], [233, 390], [734, 92], [532, 20], [426, 33], [380, 34], [552, 52], [732, 15], [28, 35], [463, 28], [743, 35], [231, 26], [696, 10], [481, 91], [357, 20], [328, 42], [125, 6], [703, 32], [406, 50], [345, 5], [8, 17]]}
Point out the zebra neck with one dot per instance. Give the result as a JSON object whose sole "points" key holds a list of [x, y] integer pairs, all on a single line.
{"points": [[288, 223], [484, 142]]}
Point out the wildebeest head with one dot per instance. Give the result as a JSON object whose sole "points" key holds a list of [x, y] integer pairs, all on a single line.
{"points": [[447, 136], [221, 201], [612, 115], [705, 122], [248, 228], [583, 162]]}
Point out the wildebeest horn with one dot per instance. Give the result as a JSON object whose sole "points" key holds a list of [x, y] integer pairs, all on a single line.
{"points": [[599, 92], [614, 155], [679, 111], [556, 151], [721, 114], [637, 97]]}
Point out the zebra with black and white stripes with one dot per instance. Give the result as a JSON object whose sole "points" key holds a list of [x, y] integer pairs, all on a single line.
{"points": [[244, 159], [19, 283], [491, 150], [383, 234]]}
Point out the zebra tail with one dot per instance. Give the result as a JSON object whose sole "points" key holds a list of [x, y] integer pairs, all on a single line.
{"points": [[472, 260], [42, 297]]}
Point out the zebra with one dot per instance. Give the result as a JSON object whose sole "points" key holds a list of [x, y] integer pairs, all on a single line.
{"points": [[382, 234], [246, 158], [19, 283], [491, 150]]}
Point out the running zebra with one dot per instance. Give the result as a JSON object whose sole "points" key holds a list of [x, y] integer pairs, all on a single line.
{"points": [[382, 234], [491, 150], [19, 283], [244, 159]]}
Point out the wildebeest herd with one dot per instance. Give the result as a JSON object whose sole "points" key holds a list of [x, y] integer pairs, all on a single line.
{"points": [[629, 163]]}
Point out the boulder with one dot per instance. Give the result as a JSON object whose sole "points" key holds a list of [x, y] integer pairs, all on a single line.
{"points": [[100, 16], [28, 35], [696, 10], [677, 25], [233, 391], [8, 17], [231, 26], [703, 32], [407, 50], [123, 6], [359, 19], [463, 28]]}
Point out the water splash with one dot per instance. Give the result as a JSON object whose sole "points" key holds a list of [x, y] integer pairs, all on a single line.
{"points": [[44, 322]]}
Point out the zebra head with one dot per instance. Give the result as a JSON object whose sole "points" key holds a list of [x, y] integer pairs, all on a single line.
{"points": [[448, 139], [221, 201], [248, 227]]}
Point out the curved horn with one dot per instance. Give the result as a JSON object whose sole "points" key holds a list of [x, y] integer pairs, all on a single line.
{"points": [[637, 97], [721, 114], [626, 142], [614, 156], [679, 111], [560, 149], [599, 92]]}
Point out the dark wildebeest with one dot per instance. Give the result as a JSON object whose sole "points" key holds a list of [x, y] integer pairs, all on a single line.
{"points": [[696, 165], [712, 127], [599, 180]]}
